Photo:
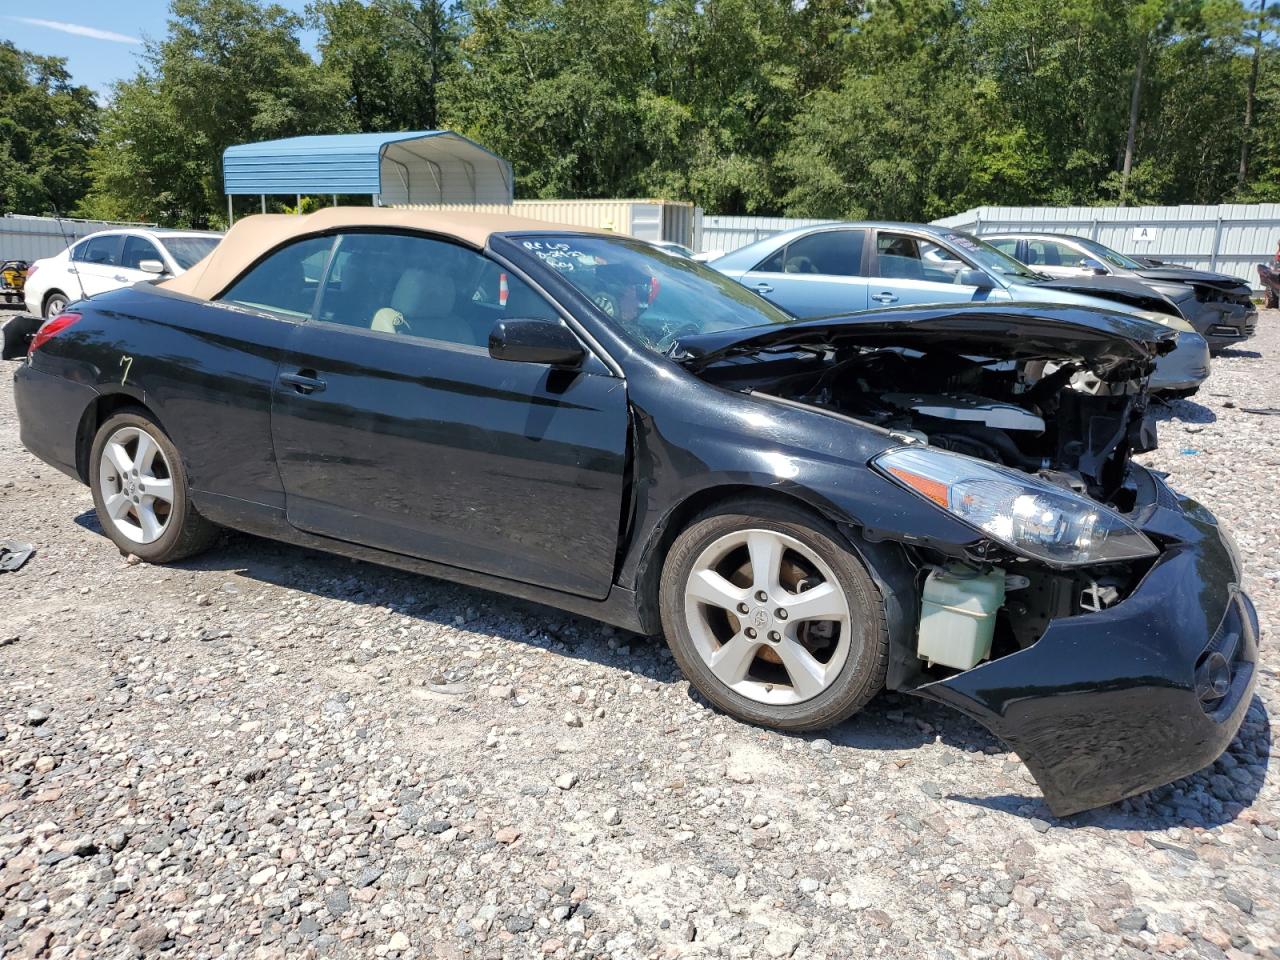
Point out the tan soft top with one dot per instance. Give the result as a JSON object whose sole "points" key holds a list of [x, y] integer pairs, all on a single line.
{"points": [[250, 238]]}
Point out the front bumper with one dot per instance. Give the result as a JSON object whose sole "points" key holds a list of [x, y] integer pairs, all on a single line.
{"points": [[1222, 322], [1105, 705]]}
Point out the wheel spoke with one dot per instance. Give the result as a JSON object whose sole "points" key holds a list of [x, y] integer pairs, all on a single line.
{"points": [[808, 676], [145, 455], [707, 586], [159, 489], [731, 662], [151, 525], [117, 505], [766, 550], [822, 602], [119, 457]]}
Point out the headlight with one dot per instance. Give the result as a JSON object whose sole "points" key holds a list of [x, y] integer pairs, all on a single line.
{"points": [[1024, 513], [1167, 320]]}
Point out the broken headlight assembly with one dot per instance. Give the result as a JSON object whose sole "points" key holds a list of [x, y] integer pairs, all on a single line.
{"points": [[1029, 516]]}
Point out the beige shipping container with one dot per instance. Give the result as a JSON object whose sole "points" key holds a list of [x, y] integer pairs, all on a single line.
{"points": [[643, 219]]}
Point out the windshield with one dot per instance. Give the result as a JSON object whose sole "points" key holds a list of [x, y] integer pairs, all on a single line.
{"points": [[1108, 255], [989, 258], [188, 251], [653, 296]]}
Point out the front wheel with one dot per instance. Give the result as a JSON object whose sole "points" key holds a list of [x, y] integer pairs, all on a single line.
{"points": [[140, 491], [771, 618]]}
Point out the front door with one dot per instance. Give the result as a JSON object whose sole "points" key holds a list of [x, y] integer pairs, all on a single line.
{"points": [[394, 428], [913, 270]]}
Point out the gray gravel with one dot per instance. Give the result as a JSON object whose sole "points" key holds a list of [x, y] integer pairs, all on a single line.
{"points": [[269, 752]]}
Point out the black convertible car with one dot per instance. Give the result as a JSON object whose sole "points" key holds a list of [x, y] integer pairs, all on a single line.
{"points": [[939, 501]]}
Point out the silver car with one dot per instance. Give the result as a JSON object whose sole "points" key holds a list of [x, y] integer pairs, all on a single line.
{"points": [[844, 267], [1218, 306]]}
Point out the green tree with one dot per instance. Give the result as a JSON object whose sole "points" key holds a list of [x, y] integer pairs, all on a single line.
{"points": [[47, 125], [389, 59], [227, 72]]}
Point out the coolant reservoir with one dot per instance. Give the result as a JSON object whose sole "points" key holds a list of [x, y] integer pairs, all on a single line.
{"points": [[958, 615]]}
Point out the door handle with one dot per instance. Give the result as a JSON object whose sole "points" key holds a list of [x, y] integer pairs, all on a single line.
{"points": [[121, 277], [764, 287], [885, 296], [304, 381]]}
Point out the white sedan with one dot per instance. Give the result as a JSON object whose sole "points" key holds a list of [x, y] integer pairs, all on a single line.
{"points": [[110, 260]]}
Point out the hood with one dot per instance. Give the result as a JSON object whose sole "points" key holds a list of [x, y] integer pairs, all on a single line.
{"points": [[1184, 275], [1113, 345], [1133, 293]]}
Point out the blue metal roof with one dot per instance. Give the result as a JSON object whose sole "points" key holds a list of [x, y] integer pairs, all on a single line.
{"points": [[350, 163]]}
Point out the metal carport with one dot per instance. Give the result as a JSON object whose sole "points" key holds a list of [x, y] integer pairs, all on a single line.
{"points": [[424, 166]]}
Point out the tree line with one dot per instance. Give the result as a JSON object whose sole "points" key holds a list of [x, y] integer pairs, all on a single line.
{"points": [[902, 109]]}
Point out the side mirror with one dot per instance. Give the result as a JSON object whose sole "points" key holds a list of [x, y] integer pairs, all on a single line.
{"points": [[535, 341], [1088, 263], [151, 266], [971, 277]]}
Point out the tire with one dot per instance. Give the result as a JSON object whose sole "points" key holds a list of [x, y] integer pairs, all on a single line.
{"points": [[54, 303], [846, 660], [136, 472]]}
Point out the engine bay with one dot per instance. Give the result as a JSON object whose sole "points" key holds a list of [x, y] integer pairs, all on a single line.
{"points": [[1051, 418]]}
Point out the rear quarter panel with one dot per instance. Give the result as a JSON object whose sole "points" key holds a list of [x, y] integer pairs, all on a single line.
{"points": [[205, 372]]}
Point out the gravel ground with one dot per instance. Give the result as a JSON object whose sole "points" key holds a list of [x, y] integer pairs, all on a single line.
{"points": [[270, 752]]}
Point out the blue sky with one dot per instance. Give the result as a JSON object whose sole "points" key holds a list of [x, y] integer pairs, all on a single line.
{"points": [[100, 40]]}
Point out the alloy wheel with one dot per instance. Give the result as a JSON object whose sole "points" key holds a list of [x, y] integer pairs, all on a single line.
{"points": [[137, 485], [54, 306], [768, 616]]}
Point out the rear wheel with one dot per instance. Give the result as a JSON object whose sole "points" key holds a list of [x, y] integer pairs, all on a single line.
{"points": [[140, 491], [54, 304], [771, 618]]}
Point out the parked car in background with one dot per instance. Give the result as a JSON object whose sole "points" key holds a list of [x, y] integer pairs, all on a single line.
{"points": [[925, 499], [842, 267], [670, 246], [110, 260], [1218, 306]]}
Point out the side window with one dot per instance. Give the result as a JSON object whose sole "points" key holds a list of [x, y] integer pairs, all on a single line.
{"points": [[1008, 246], [898, 257], [834, 253], [102, 250], [286, 281], [424, 288], [78, 251], [1050, 253], [137, 249]]}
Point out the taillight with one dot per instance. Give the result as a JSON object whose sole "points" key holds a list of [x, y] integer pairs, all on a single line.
{"points": [[50, 329], [31, 271]]}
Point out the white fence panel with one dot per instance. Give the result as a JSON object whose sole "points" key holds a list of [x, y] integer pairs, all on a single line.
{"points": [[716, 234], [1230, 238], [30, 238]]}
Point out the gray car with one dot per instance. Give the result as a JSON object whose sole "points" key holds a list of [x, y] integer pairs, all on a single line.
{"points": [[843, 267], [1220, 307]]}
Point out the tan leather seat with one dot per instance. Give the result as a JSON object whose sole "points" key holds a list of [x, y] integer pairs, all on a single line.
{"points": [[422, 304]]}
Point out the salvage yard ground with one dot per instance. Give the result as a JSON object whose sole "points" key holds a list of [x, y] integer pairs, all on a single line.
{"points": [[270, 752]]}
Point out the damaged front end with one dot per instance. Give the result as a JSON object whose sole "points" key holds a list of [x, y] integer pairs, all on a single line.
{"points": [[1094, 621]]}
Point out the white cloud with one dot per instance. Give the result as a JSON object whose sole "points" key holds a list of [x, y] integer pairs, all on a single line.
{"points": [[78, 29]]}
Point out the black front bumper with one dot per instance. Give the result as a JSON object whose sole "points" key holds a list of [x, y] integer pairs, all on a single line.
{"points": [[1224, 323], [1105, 705]]}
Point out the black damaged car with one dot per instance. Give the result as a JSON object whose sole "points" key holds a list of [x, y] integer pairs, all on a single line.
{"points": [[940, 501]]}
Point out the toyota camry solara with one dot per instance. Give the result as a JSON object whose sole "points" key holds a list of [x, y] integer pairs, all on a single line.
{"points": [[934, 500]]}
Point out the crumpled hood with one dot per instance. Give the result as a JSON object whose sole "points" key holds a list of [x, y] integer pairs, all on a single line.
{"points": [[1113, 345], [1124, 290], [1184, 275]]}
